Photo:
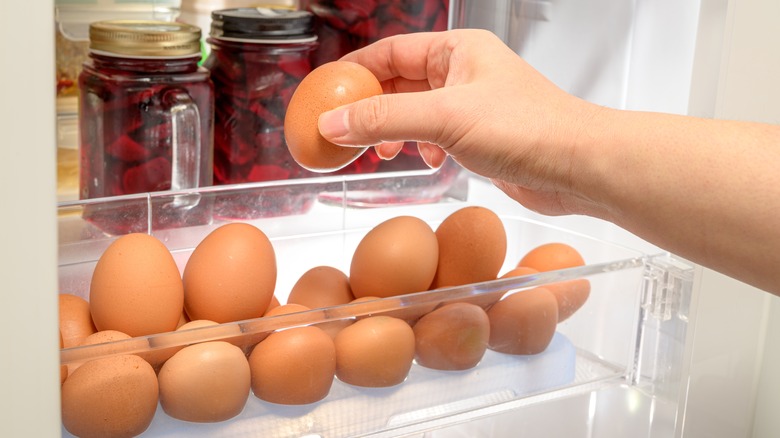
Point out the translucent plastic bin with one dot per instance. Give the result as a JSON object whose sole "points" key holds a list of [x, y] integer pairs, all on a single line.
{"points": [[599, 346]]}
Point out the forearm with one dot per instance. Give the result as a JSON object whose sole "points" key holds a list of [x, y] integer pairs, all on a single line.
{"points": [[706, 190]]}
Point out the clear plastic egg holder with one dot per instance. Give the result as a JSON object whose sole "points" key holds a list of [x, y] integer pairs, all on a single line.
{"points": [[597, 344]]}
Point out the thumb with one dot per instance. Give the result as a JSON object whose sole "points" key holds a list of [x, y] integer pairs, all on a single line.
{"points": [[380, 119]]}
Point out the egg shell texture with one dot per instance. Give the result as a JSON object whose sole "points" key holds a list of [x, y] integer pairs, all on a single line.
{"points": [[205, 383], [328, 86], [523, 322], [396, 257], [472, 247], [294, 366], [110, 397], [452, 337], [136, 287], [375, 352], [231, 275]]}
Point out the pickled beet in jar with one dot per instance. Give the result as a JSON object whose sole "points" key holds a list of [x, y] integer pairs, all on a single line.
{"points": [[258, 57], [146, 110], [145, 118]]}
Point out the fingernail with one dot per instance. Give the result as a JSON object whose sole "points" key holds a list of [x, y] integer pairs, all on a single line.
{"points": [[427, 156], [388, 151], [333, 124]]}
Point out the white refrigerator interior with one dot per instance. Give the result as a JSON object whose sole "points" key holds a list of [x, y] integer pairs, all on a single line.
{"points": [[703, 365]]}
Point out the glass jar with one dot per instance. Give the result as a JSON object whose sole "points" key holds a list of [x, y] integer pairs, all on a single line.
{"points": [[344, 26], [258, 57], [146, 110]]}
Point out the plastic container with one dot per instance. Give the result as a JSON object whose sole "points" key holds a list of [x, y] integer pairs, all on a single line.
{"points": [[146, 111], [596, 348]]}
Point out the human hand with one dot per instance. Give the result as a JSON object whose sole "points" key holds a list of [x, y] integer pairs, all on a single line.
{"points": [[464, 93]]}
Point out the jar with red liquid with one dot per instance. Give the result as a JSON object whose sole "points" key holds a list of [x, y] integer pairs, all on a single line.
{"points": [[258, 57], [146, 111], [346, 25]]}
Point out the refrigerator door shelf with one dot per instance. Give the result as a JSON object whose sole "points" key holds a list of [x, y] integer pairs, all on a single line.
{"points": [[605, 345]]}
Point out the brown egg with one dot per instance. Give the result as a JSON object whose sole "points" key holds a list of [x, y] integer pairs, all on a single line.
{"points": [[184, 319], [136, 287], [108, 337], [63, 368], [321, 286], [520, 271], [410, 314], [487, 300], [375, 352], [327, 87], [75, 320], [523, 322], [571, 294], [230, 275], [205, 383], [472, 247], [167, 346], [104, 336], [286, 309], [294, 366], [452, 337], [396, 257], [552, 256], [274, 304], [114, 396]]}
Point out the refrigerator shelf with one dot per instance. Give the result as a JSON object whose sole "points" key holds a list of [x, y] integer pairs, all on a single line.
{"points": [[594, 348]]}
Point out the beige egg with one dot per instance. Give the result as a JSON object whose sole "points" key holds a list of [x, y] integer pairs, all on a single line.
{"points": [[75, 319], [230, 275], [110, 397], [205, 383], [136, 287], [321, 286], [375, 352], [472, 247], [396, 257], [523, 322], [293, 366], [452, 337], [326, 87]]}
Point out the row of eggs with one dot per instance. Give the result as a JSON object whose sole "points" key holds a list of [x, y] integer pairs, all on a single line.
{"points": [[137, 290]]}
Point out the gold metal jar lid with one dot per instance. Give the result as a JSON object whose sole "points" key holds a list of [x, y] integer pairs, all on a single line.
{"points": [[144, 38]]}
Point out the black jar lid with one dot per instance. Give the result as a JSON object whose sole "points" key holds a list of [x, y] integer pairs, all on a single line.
{"points": [[262, 23]]}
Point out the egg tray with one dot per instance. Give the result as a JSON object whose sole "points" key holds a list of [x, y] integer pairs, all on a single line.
{"points": [[595, 344]]}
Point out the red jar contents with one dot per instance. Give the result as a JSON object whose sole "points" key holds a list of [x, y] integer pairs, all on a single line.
{"points": [[146, 113], [344, 26], [258, 57]]}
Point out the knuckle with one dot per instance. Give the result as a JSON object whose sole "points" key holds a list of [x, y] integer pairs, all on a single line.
{"points": [[372, 116]]}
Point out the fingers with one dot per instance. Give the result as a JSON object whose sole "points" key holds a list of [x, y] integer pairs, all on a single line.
{"points": [[431, 154], [381, 119], [405, 56], [388, 151]]}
